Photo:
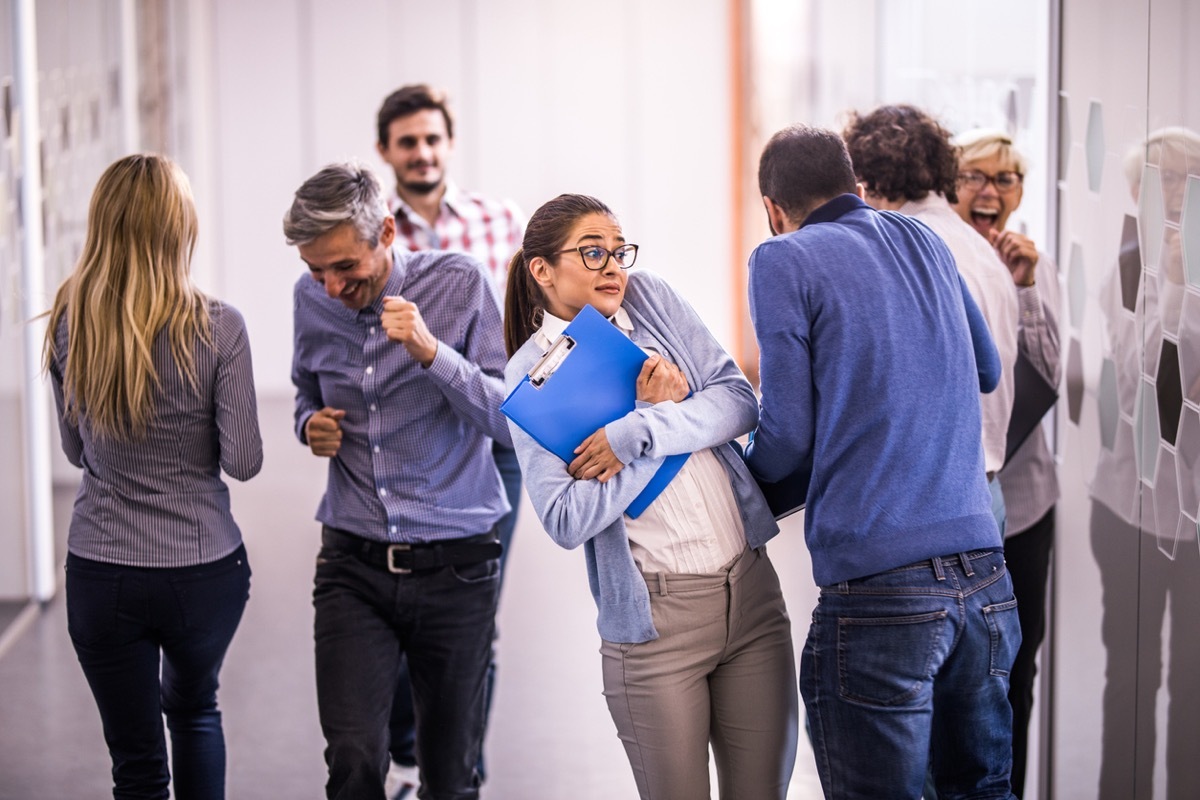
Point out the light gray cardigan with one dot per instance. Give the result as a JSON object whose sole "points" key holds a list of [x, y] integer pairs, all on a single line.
{"points": [[721, 408]]}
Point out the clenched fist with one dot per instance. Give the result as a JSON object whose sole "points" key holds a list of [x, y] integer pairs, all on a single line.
{"points": [[402, 321], [324, 431]]}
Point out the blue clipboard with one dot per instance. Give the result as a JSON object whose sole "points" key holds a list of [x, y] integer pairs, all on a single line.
{"points": [[587, 379]]}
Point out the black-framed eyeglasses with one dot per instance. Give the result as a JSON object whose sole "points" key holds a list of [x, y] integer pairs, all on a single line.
{"points": [[596, 257], [1005, 182]]}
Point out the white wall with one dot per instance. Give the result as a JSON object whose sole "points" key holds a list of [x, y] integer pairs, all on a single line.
{"points": [[81, 134], [626, 100]]}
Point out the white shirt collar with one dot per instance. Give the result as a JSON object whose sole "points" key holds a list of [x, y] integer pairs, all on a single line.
{"points": [[552, 327]]}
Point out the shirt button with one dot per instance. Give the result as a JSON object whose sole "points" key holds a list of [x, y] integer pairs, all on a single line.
{"points": [[372, 406], [393, 529], [370, 370], [376, 448], [383, 492], [371, 331]]}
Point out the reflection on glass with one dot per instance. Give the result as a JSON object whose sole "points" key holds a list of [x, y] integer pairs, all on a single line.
{"points": [[1110, 409], [1190, 231], [1064, 136], [1095, 146], [1185, 463], [1077, 285], [1145, 491], [1146, 431], [1129, 262], [1074, 381], [1189, 347], [1166, 503], [1169, 390], [1150, 215]]}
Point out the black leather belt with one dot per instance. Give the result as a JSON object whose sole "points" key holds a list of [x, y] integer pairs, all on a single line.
{"points": [[404, 558]]}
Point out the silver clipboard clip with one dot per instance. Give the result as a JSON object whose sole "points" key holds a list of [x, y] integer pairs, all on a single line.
{"points": [[551, 360]]}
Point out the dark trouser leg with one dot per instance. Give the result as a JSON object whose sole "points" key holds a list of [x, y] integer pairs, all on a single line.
{"points": [[448, 654], [211, 599], [1027, 555], [120, 659], [403, 720], [357, 656]]}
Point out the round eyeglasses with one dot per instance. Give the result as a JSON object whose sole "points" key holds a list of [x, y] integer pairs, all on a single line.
{"points": [[596, 257], [1005, 182]]}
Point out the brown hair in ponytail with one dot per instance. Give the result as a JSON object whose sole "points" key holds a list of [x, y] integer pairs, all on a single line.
{"points": [[545, 235]]}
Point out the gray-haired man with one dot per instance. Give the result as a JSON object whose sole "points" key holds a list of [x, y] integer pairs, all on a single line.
{"points": [[398, 367]]}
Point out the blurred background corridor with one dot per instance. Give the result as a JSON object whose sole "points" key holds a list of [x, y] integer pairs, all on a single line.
{"points": [[661, 109]]}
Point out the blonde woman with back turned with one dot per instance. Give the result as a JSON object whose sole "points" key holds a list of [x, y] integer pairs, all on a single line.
{"points": [[155, 396]]}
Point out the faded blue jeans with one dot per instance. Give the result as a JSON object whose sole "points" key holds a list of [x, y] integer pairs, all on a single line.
{"points": [[151, 642], [907, 661]]}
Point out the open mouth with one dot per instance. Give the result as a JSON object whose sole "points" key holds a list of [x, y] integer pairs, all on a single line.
{"points": [[983, 219]]}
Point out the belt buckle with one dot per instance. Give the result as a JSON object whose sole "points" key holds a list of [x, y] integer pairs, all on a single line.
{"points": [[391, 551]]}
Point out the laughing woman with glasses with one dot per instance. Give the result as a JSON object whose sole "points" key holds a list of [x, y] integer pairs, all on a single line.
{"points": [[696, 642]]}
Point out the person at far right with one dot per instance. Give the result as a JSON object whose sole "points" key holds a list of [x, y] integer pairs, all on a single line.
{"points": [[990, 184], [872, 359]]}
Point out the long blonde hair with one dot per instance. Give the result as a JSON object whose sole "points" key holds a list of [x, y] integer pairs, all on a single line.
{"points": [[132, 281]]}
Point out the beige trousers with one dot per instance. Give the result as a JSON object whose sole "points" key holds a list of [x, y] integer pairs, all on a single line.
{"points": [[722, 671]]}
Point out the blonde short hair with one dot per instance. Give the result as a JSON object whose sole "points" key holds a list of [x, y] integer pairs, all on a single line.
{"points": [[981, 143]]}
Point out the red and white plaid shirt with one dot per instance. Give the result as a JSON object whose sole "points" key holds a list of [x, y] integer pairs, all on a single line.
{"points": [[490, 231]]}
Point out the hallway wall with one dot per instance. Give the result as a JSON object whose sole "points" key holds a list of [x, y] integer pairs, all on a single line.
{"points": [[605, 98], [253, 96], [81, 121]]}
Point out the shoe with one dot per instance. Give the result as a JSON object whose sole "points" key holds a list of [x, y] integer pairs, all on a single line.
{"points": [[402, 781]]}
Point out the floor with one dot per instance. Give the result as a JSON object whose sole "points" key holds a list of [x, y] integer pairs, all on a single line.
{"points": [[550, 736], [9, 611]]}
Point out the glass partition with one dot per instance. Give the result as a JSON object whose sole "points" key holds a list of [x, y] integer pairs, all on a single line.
{"points": [[813, 62], [1126, 652]]}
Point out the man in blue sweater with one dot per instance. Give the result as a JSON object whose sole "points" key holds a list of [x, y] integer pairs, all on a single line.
{"points": [[872, 359]]}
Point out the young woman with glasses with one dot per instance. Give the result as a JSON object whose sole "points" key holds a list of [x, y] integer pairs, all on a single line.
{"points": [[696, 642], [155, 397]]}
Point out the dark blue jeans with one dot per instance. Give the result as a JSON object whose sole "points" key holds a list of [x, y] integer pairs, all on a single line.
{"points": [[122, 620], [403, 722], [908, 661], [442, 621]]}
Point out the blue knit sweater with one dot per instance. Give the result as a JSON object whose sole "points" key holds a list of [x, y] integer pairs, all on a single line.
{"points": [[873, 355], [721, 408]]}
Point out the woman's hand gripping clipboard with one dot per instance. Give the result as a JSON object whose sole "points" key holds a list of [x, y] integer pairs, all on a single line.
{"points": [[587, 379]]}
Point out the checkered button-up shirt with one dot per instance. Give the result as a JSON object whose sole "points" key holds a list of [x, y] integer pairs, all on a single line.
{"points": [[467, 223]]}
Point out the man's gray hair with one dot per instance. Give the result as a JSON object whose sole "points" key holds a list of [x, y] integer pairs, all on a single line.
{"points": [[338, 194]]}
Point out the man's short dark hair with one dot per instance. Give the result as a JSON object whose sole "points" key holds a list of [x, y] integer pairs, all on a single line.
{"points": [[902, 152], [409, 100], [802, 167]]}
